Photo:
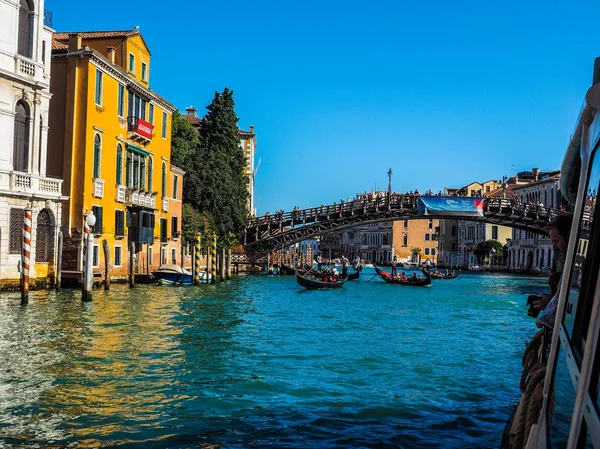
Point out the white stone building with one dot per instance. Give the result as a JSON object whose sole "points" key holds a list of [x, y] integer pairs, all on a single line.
{"points": [[25, 45], [527, 250]]}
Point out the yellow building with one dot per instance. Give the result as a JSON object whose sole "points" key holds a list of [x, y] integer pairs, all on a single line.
{"points": [[110, 139], [419, 233]]}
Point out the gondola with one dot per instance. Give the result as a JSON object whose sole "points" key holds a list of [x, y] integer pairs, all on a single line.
{"points": [[454, 274], [387, 277], [353, 276], [312, 283]]}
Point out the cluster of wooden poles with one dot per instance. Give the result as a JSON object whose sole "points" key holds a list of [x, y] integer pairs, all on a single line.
{"points": [[290, 260]]}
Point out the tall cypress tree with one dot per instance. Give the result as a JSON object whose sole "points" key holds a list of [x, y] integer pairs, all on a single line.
{"points": [[217, 181]]}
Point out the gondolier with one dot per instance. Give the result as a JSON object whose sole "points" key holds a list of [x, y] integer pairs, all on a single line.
{"points": [[394, 265], [345, 264]]}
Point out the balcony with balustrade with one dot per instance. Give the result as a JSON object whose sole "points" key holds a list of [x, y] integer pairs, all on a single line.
{"points": [[138, 197], [26, 184], [139, 130]]}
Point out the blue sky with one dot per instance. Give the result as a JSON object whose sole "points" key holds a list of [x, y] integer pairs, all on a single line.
{"points": [[444, 93]]}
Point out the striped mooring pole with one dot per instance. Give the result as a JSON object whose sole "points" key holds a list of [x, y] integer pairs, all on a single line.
{"points": [[213, 260], [197, 252], [26, 255]]}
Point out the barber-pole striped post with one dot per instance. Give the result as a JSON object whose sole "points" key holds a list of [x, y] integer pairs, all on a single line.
{"points": [[25, 256], [213, 268], [197, 253]]}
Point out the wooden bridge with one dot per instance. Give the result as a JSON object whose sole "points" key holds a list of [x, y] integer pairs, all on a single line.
{"points": [[275, 232]]}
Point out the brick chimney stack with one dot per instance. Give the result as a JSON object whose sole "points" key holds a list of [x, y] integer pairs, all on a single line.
{"points": [[111, 53], [191, 111], [251, 129], [74, 42]]}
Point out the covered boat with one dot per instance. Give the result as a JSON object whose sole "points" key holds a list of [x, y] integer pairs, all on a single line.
{"points": [[387, 277], [313, 283], [171, 274]]}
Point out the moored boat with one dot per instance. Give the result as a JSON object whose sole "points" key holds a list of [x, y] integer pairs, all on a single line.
{"points": [[171, 274], [438, 275], [387, 277]]}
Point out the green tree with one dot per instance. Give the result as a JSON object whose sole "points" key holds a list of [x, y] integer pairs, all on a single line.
{"points": [[483, 249], [194, 222], [185, 144], [416, 253], [216, 180]]}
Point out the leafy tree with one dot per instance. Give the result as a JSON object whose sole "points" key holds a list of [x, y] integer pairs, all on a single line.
{"points": [[196, 222], [416, 253], [184, 144], [483, 249]]}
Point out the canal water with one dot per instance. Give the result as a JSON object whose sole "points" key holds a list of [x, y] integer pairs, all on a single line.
{"points": [[258, 361]]}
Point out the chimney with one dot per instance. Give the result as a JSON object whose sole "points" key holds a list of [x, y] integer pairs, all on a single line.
{"points": [[191, 111], [251, 129], [74, 42], [536, 173], [111, 53]]}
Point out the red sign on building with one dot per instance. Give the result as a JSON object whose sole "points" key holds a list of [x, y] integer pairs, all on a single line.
{"points": [[144, 129]]}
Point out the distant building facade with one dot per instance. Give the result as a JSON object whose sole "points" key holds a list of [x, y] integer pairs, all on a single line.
{"points": [[25, 42]]}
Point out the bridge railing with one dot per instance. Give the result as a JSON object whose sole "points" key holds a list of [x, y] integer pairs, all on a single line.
{"points": [[366, 205]]}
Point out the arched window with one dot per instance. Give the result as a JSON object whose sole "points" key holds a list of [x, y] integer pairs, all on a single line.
{"points": [[119, 180], [24, 47], [97, 155], [44, 244], [552, 204], [150, 168], [21, 138], [164, 179], [142, 173]]}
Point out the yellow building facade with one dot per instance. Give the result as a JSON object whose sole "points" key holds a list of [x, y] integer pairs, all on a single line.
{"points": [[110, 139], [419, 233]]}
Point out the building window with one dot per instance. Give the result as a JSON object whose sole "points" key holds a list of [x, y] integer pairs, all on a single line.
{"points": [[163, 254], [96, 257], [118, 256], [164, 179], [142, 173], [119, 223], [98, 96], [405, 224], [427, 237], [433, 251], [121, 101], [163, 230], [430, 223], [151, 114], [150, 169], [142, 114], [164, 125], [97, 155], [17, 218], [136, 171], [453, 231], [174, 228], [427, 251], [174, 256], [21, 138], [128, 164], [131, 62], [494, 232], [405, 239], [175, 186], [119, 176], [25, 44], [144, 71], [97, 228], [150, 254], [453, 246]]}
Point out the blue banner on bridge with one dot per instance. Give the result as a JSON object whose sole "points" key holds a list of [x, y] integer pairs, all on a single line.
{"points": [[450, 206]]}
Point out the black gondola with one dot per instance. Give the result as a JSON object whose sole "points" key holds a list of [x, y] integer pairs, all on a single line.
{"points": [[313, 283], [387, 277], [452, 275], [353, 276]]}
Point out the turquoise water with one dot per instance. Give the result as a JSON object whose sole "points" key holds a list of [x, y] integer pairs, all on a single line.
{"points": [[258, 361]]}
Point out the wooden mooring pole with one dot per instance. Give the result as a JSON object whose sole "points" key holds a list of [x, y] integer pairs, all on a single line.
{"points": [[229, 263], [59, 261], [106, 264], [131, 256]]}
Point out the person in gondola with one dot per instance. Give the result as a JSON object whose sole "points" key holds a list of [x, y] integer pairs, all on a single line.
{"points": [[394, 265], [345, 264], [414, 277]]}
